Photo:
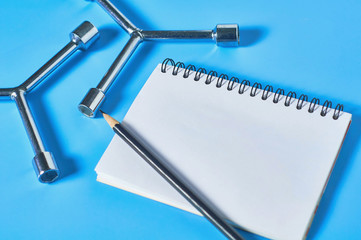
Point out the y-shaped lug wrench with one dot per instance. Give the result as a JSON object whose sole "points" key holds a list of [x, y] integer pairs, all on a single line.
{"points": [[223, 35], [44, 164]]}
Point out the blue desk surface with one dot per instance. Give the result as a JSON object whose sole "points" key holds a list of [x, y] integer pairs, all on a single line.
{"points": [[310, 47]]}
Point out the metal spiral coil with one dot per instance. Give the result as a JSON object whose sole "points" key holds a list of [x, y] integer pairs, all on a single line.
{"points": [[245, 84], [289, 97], [210, 76], [266, 92], [231, 83], [300, 101], [278, 94]]}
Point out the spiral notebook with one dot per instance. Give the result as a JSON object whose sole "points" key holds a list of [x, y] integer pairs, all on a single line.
{"points": [[260, 157]]}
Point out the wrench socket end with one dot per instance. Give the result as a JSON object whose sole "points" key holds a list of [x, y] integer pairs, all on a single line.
{"points": [[91, 102], [227, 35], [84, 35], [45, 167]]}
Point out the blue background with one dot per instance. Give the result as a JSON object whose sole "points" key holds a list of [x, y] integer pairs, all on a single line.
{"points": [[310, 47]]}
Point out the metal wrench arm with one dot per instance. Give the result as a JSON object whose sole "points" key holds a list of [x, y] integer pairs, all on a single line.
{"points": [[49, 67], [118, 17], [178, 35], [119, 63], [6, 92], [223, 35], [95, 96], [28, 120], [44, 164]]}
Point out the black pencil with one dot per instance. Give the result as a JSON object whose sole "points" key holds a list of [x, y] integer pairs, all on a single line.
{"points": [[172, 179]]}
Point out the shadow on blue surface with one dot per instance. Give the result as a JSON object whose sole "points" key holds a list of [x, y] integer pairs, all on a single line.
{"points": [[251, 35], [107, 34], [66, 164]]}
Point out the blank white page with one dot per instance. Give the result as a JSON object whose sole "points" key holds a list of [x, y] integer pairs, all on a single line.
{"points": [[263, 165]]}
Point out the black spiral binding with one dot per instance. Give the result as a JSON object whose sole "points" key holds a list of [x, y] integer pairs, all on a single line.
{"points": [[221, 79]]}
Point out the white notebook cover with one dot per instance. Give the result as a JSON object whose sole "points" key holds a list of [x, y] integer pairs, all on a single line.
{"points": [[263, 165]]}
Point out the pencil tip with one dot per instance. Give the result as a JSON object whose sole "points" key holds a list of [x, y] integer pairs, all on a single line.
{"points": [[111, 121]]}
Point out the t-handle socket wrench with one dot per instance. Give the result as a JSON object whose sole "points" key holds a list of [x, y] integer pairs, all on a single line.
{"points": [[44, 164], [223, 35]]}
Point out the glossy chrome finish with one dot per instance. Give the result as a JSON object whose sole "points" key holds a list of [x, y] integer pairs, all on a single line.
{"points": [[226, 35], [44, 164], [48, 67], [178, 35], [119, 62], [118, 17], [95, 96]]}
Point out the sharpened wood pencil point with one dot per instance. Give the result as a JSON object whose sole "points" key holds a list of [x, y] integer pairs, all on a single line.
{"points": [[111, 121]]}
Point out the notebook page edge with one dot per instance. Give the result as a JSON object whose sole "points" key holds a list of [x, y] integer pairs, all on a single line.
{"points": [[251, 230], [328, 178]]}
